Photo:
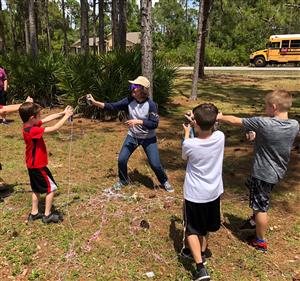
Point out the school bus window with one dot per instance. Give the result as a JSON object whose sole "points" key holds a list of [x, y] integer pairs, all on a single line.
{"points": [[295, 44], [275, 45], [285, 43]]}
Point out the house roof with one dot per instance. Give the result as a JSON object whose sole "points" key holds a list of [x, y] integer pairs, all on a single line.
{"points": [[133, 37]]}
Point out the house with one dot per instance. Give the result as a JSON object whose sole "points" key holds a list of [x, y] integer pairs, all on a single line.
{"points": [[132, 39]]}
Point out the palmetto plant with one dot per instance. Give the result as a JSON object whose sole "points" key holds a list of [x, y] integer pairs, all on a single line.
{"points": [[53, 79]]}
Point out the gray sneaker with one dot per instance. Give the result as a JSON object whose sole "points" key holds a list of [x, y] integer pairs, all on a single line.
{"points": [[117, 186], [52, 218], [201, 275], [168, 187]]}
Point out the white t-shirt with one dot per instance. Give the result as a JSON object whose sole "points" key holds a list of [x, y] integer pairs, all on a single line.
{"points": [[203, 179]]}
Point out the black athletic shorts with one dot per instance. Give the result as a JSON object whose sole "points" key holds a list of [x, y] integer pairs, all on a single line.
{"points": [[2, 98], [259, 194], [201, 218], [41, 180]]}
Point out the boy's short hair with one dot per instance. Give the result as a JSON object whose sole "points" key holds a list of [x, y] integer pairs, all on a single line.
{"points": [[205, 115], [281, 98], [28, 109]]}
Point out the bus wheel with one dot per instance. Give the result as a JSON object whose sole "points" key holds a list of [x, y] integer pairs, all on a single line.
{"points": [[260, 62]]}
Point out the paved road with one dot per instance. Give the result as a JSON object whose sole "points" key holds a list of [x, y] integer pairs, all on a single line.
{"points": [[243, 68]]}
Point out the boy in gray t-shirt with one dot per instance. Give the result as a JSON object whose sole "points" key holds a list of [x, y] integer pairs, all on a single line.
{"points": [[274, 137]]}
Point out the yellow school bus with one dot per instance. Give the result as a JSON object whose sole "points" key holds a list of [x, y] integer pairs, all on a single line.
{"points": [[280, 49]]}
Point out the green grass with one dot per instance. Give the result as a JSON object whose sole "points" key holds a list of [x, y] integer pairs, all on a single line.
{"points": [[101, 239]]}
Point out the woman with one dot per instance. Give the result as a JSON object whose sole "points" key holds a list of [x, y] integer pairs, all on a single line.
{"points": [[142, 122], [3, 90]]}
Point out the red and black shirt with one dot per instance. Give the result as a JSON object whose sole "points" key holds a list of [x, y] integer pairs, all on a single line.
{"points": [[36, 152]]}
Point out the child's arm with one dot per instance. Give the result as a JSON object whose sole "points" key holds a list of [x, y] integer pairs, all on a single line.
{"points": [[53, 116], [186, 128], [230, 119], [13, 107], [68, 112]]}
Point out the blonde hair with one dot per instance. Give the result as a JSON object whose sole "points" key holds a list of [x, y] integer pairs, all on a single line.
{"points": [[281, 98]]}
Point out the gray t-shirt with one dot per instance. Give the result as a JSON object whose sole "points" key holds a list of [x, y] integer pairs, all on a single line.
{"points": [[273, 144]]}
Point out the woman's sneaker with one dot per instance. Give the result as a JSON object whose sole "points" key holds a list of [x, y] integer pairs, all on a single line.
{"points": [[260, 245], [201, 274], [117, 186], [32, 217], [52, 218], [168, 187]]}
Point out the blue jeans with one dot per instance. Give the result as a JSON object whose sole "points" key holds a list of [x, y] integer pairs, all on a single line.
{"points": [[150, 147]]}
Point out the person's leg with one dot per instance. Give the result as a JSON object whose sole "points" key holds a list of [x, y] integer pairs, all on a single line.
{"points": [[129, 146], [203, 242], [48, 203], [261, 220], [195, 246], [35, 203], [151, 150]]}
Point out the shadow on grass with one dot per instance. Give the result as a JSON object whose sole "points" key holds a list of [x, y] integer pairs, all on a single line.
{"points": [[6, 190], [145, 180], [176, 235], [233, 224]]}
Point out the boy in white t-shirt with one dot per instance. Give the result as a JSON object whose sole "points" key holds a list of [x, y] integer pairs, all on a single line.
{"points": [[203, 182]]}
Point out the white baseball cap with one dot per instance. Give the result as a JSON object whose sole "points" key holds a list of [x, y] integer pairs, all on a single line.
{"points": [[141, 80]]}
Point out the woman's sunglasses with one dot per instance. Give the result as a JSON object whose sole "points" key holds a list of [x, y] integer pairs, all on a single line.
{"points": [[135, 86]]}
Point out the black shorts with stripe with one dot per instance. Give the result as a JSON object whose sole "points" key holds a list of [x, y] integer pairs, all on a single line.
{"points": [[41, 180], [201, 218]]}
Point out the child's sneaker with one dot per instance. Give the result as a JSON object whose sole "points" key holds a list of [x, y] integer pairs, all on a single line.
{"points": [[186, 253], [117, 186], [260, 245], [32, 217], [168, 187], [52, 218], [201, 274], [249, 223]]}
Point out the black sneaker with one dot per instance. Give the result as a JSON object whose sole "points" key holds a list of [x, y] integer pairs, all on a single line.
{"points": [[51, 218], [201, 274], [32, 217], [186, 253], [249, 223]]}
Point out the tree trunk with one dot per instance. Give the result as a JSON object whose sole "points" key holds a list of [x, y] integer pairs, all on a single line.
{"points": [[32, 29], [27, 39], [47, 26], [101, 27], [146, 42], [84, 26], [204, 10], [115, 24], [94, 28], [122, 24], [2, 31], [204, 34], [65, 44]]}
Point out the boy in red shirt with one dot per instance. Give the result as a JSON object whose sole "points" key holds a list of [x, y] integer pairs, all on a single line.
{"points": [[41, 179]]}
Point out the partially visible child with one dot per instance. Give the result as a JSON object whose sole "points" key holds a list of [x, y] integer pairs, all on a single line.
{"points": [[40, 176], [203, 183], [274, 137]]}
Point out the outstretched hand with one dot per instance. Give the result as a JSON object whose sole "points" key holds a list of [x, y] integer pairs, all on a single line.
{"points": [[219, 116], [68, 111], [29, 99], [186, 127], [90, 98]]}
